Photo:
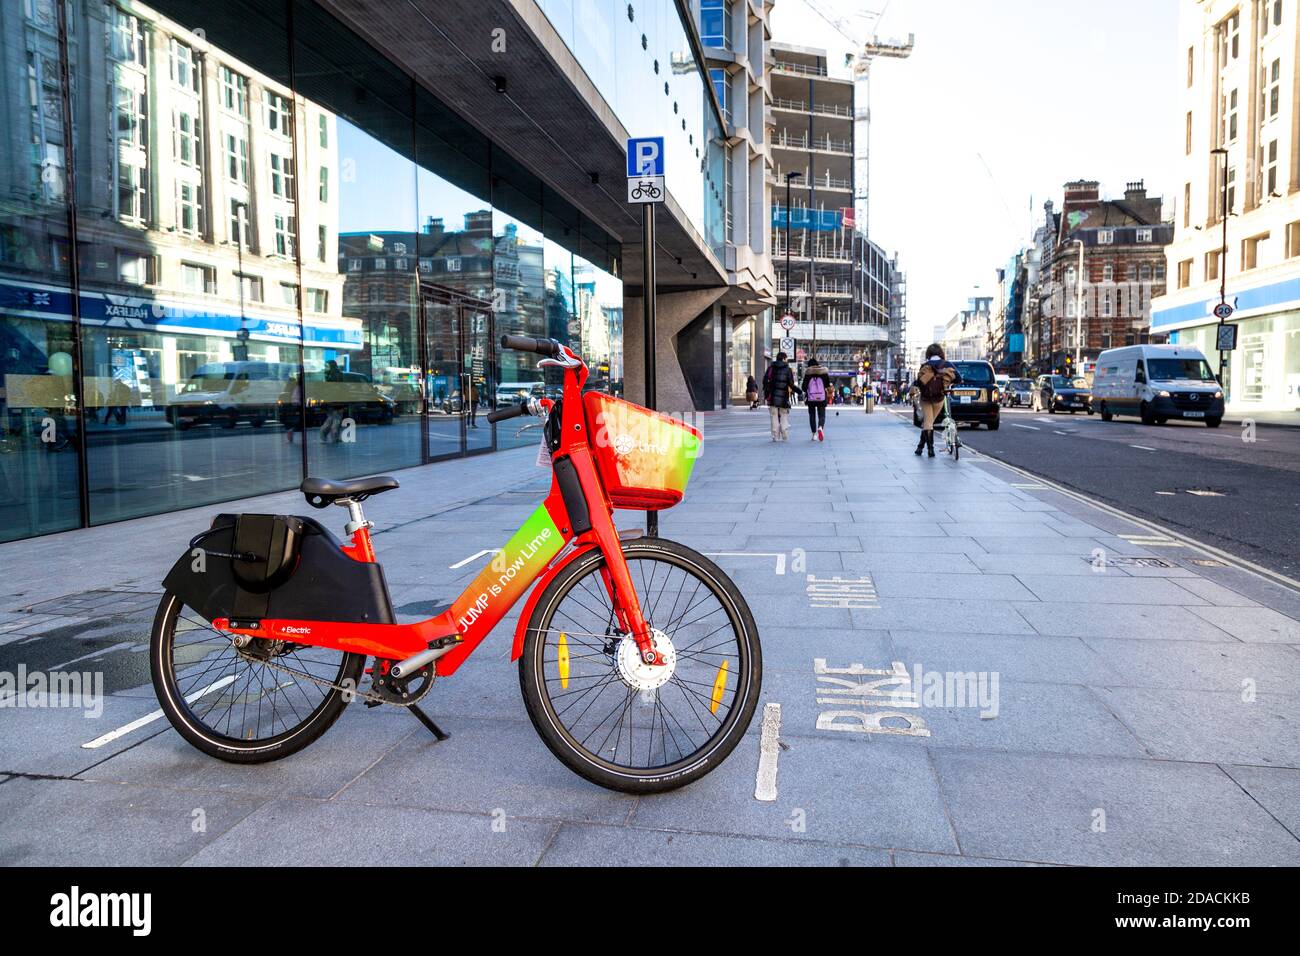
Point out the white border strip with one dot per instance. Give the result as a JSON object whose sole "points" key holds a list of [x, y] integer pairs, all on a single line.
{"points": [[769, 749]]}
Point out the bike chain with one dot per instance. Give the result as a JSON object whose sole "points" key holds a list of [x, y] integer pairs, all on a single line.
{"points": [[356, 692]]}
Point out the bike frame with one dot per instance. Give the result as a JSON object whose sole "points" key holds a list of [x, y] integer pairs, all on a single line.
{"points": [[544, 545]]}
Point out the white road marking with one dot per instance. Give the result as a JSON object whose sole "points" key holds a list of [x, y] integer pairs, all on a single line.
{"points": [[1152, 540], [1171, 494], [151, 717], [769, 749], [1032, 428], [780, 558], [1205, 494], [1143, 447], [473, 557]]}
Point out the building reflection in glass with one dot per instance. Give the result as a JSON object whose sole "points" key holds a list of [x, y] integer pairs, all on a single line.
{"points": [[270, 279]]}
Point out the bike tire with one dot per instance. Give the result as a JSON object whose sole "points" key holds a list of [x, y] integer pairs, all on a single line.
{"points": [[539, 687], [182, 706]]}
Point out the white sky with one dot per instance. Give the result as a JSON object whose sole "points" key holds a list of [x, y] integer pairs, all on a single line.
{"points": [[1002, 102]]}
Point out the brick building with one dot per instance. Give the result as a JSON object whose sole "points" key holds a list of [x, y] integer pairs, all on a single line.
{"points": [[1121, 243]]}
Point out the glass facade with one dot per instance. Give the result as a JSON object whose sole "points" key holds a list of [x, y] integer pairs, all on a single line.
{"points": [[658, 89], [288, 259]]}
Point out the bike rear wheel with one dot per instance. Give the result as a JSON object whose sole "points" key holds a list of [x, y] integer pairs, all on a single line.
{"points": [[593, 702], [230, 702]]}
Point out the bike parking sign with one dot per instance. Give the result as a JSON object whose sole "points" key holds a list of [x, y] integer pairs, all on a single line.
{"points": [[645, 170], [643, 189]]}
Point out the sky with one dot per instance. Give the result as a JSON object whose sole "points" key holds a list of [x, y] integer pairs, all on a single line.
{"points": [[1001, 103]]}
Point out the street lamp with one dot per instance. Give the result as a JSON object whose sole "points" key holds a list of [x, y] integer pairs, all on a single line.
{"points": [[1223, 253], [241, 348], [788, 176]]}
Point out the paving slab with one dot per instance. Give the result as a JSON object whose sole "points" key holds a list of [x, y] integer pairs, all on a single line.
{"points": [[1210, 726], [580, 845], [81, 823], [1053, 809], [316, 833]]}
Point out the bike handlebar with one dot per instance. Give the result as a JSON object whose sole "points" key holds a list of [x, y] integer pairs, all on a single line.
{"points": [[502, 414], [525, 343]]}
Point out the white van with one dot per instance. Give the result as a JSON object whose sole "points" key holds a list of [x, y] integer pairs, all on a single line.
{"points": [[1157, 383]]}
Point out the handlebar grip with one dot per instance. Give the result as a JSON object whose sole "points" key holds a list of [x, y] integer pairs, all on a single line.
{"points": [[525, 343], [501, 414]]}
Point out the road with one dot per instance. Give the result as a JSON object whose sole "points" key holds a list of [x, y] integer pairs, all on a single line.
{"points": [[1249, 486]]}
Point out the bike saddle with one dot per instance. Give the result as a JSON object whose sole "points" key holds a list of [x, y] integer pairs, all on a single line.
{"points": [[322, 492]]}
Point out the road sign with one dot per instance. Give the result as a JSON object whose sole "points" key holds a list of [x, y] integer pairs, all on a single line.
{"points": [[1227, 338], [787, 346], [646, 189], [1223, 311], [787, 321], [645, 156]]}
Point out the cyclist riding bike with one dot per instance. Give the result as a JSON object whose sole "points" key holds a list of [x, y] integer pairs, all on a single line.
{"points": [[933, 380]]}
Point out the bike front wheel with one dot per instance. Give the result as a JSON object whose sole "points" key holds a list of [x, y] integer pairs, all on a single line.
{"points": [[623, 724]]}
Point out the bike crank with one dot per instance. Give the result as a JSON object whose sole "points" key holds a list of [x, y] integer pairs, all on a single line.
{"points": [[385, 690]]}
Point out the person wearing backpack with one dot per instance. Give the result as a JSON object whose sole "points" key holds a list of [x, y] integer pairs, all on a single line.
{"points": [[933, 379], [778, 383], [816, 391]]}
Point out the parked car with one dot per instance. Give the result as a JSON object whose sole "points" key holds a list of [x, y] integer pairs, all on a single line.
{"points": [[976, 400], [353, 393], [227, 393], [1157, 383], [512, 393], [1017, 392], [1062, 393]]}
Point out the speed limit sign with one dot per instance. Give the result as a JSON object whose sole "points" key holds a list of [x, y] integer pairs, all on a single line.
{"points": [[787, 321]]}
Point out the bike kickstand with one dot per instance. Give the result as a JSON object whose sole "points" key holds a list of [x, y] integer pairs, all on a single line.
{"points": [[428, 722]]}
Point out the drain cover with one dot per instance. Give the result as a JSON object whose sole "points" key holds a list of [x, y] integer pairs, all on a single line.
{"points": [[1135, 561]]}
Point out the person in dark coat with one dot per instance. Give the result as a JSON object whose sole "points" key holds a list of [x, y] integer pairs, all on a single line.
{"points": [[751, 392], [778, 384]]}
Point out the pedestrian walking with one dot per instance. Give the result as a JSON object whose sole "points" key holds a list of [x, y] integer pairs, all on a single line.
{"points": [[816, 389], [751, 392], [933, 379], [291, 407], [778, 384], [331, 428]]}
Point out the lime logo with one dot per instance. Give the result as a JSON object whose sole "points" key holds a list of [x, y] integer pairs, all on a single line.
{"points": [[624, 444]]}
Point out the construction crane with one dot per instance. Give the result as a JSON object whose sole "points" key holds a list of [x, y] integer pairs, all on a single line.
{"points": [[868, 47]]}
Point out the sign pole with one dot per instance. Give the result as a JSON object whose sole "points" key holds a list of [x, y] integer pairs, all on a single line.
{"points": [[645, 186], [648, 282]]}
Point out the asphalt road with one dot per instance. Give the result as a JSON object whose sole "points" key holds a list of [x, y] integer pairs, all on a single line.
{"points": [[1253, 506]]}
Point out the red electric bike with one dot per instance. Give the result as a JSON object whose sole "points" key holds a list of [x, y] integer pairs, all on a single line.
{"points": [[639, 659]]}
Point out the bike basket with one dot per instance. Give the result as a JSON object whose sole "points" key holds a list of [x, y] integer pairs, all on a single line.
{"points": [[644, 458], [266, 549]]}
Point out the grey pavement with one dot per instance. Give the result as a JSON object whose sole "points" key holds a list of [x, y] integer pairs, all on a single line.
{"points": [[971, 670]]}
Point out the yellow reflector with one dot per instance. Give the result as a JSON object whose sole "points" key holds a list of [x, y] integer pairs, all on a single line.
{"points": [[719, 685], [562, 655]]}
